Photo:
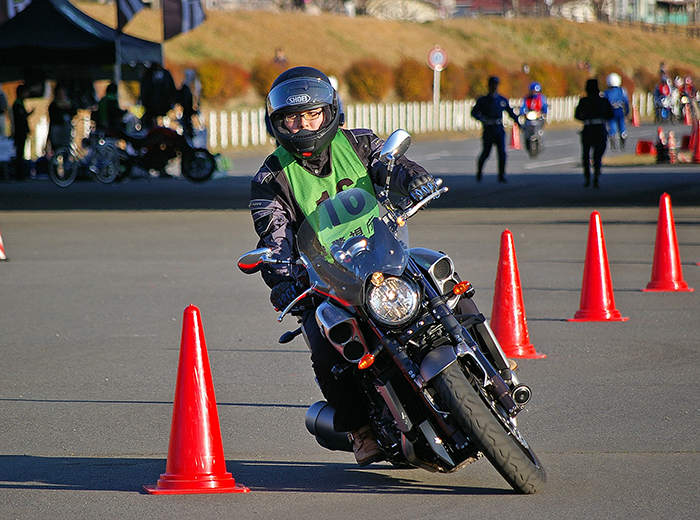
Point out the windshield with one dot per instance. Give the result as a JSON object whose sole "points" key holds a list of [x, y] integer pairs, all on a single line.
{"points": [[345, 240]]}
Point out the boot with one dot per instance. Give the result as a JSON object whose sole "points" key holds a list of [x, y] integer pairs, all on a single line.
{"points": [[365, 446]]}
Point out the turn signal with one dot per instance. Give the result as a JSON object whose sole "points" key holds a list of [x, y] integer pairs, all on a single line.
{"points": [[366, 362], [461, 288]]}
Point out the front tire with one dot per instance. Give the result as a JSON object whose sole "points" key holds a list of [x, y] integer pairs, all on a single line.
{"points": [[512, 457], [63, 167], [198, 164]]}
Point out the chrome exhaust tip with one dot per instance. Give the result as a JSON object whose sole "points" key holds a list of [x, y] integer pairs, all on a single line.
{"points": [[522, 395]]}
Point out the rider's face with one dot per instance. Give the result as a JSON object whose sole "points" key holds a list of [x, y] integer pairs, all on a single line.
{"points": [[307, 120]]}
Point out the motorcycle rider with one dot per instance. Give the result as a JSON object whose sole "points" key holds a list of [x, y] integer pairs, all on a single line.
{"points": [[617, 95], [489, 110], [315, 160], [662, 94], [535, 101]]}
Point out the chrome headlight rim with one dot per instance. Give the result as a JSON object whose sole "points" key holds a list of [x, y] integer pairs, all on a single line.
{"points": [[394, 302]]}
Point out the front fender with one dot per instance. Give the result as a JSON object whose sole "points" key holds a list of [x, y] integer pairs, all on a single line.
{"points": [[436, 361]]}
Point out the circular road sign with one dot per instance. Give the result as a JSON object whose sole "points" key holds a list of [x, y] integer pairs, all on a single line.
{"points": [[437, 58]]}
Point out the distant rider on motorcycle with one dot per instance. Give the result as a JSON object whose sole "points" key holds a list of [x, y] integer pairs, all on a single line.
{"points": [[534, 112], [315, 160], [617, 95], [535, 100]]}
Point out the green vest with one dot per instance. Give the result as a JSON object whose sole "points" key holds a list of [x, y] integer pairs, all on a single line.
{"points": [[309, 190], [347, 171]]}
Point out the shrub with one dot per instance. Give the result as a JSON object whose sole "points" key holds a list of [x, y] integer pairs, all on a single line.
{"points": [[453, 82], [551, 77], [645, 79], [413, 81], [222, 80], [575, 80], [478, 72], [369, 80], [262, 75]]}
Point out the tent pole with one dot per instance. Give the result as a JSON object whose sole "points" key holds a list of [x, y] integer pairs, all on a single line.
{"points": [[118, 59]]}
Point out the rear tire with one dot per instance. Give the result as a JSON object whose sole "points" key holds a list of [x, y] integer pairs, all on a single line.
{"points": [[512, 457], [104, 163], [63, 167]]}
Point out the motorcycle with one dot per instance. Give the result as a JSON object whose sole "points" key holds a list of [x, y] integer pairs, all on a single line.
{"points": [[533, 132], [439, 390], [158, 147]]}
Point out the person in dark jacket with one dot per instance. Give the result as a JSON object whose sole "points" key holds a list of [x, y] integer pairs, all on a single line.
{"points": [[489, 110], [109, 116], [595, 111], [315, 160], [61, 114], [20, 130]]}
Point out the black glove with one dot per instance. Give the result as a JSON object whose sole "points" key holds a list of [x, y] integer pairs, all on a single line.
{"points": [[421, 186], [283, 294]]}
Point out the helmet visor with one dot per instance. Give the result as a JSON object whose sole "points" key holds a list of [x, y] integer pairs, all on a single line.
{"points": [[299, 94]]}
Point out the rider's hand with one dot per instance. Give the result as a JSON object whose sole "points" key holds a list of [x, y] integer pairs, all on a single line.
{"points": [[283, 294], [421, 186]]}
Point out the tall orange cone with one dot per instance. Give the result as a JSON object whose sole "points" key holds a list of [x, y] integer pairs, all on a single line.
{"points": [[666, 271], [635, 116], [508, 320], [515, 138], [3, 256], [687, 116], [597, 300], [196, 461]]}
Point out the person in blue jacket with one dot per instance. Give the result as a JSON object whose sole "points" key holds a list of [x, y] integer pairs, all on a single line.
{"points": [[617, 96], [489, 110]]}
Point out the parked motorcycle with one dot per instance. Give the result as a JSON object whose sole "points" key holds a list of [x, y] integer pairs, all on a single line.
{"points": [[533, 132], [440, 391], [160, 146]]}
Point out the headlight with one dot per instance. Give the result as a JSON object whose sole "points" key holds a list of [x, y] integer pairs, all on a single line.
{"points": [[393, 301]]}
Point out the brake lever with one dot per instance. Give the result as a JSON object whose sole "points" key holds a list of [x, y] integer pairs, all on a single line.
{"points": [[414, 209], [296, 300]]}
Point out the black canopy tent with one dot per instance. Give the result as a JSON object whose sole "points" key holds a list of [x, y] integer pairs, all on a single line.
{"points": [[52, 39]]}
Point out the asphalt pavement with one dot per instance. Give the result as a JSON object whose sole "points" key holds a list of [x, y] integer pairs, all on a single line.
{"points": [[91, 313]]}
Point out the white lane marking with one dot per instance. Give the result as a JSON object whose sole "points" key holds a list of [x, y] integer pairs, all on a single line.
{"points": [[555, 162]]}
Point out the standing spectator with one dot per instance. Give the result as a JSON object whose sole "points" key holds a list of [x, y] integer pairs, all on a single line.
{"points": [[595, 111], [280, 58], [3, 114], [61, 113], [621, 107], [109, 116], [489, 110], [20, 130], [157, 94], [188, 99]]}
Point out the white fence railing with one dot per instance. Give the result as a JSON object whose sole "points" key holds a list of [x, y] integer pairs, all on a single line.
{"points": [[246, 128]]}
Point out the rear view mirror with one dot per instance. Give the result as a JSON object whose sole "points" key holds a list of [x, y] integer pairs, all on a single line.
{"points": [[251, 262], [395, 146]]}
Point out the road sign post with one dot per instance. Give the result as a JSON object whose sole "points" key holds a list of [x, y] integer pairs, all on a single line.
{"points": [[437, 60]]}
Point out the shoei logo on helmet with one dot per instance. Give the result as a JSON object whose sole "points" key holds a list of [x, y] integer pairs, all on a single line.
{"points": [[299, 99]]}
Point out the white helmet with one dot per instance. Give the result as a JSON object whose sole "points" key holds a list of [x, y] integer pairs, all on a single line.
{"points": [[614, 80]]}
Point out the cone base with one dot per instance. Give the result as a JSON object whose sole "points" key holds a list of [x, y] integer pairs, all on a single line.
{"points": [[597, 315], [183, 485], [658, 286], [522, 352]]}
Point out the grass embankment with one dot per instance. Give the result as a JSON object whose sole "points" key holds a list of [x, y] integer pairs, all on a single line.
{"points": [[333, 42]]}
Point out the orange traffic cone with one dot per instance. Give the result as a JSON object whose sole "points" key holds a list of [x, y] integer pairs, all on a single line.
{"points": [[508, 320], [196, 461], [666, 272], [687, 116], [3, 256], [693, 137], [515, 138], [635, 116], [597, 300], [696, 143]]}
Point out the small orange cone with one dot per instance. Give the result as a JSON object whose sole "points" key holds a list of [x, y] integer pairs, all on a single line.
{"points": [[515, 138], [666, 271], [508, 320], [196, 461], [635, 116], [597, 299], [3, 256], [696, 142], [693, 137], [687, 116]]}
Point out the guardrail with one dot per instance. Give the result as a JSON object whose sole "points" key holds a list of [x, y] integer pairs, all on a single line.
{"points": [[246, 128]]}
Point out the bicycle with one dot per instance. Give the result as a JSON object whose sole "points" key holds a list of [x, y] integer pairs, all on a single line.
{"points": [[98, 155]]}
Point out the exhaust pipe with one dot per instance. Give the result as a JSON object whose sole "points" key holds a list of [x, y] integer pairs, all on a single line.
{"points": [[319, 422], [522, 395]]}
